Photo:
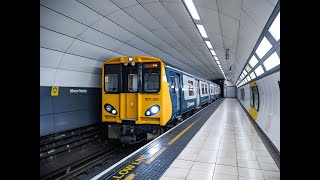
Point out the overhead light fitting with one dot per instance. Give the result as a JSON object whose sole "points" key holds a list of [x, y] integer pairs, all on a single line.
{"points": [[192, 9], [209, 44], [202, 31], [212, 52]]}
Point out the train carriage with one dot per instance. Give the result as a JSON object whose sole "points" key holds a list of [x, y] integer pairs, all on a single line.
{"points": [[142, 97]]}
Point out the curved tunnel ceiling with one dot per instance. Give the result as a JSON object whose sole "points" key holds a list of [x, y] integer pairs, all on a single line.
{"points": [[76, 36]]}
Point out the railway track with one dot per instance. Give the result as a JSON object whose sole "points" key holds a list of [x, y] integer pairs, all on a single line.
{"points": [[81, 152], [70, 154]]}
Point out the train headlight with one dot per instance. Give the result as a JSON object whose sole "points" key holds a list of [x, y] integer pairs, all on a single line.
{"points": [[152, 110], [110, 109]]}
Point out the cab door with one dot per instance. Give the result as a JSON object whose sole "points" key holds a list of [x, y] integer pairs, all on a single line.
{"points": [[130, 97]]}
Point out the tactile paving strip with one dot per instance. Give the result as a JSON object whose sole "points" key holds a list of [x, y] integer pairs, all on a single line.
{"points": [[160, 164]]}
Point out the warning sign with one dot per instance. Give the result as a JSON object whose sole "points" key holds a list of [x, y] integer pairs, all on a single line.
{"points": [[54, 90]]}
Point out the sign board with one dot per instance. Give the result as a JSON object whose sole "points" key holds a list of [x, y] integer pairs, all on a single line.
{"points": [[54, 90]]}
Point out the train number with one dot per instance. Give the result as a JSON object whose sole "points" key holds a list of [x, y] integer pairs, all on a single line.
{"points": [[151, 99]]}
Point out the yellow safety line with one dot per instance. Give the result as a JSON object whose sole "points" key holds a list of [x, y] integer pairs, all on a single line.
{"points": [[130, 177], [182, 132], [156, 155]]}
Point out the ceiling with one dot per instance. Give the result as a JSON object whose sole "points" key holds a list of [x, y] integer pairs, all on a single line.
{"points": [[76, 36]]}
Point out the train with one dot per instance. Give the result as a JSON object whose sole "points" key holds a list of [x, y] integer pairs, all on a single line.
{"points": [[142, 97]]}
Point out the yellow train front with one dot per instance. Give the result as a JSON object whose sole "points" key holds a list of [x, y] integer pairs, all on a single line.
{"points": [[136, 102]]}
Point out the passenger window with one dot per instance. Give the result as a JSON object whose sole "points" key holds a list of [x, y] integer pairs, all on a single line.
{"points": [[132, 82], [173, 85], [206, 89], [202, 88], [190, 84]]}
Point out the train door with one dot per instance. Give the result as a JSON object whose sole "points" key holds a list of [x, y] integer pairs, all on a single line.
{"points": [[131, 92], [198, 92], [178, 92], [175, 88]]}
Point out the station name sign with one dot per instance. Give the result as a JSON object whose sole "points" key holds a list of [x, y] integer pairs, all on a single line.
{"points": [[78, 91]]}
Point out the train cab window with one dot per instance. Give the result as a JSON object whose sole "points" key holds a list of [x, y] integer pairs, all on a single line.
{"points": [[190, 84], [112, 75], [151, 82], [132, 82], [111, 82], [151, 77]]}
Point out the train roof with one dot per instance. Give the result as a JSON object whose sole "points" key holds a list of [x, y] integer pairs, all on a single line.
{"points": [[191, 75]]}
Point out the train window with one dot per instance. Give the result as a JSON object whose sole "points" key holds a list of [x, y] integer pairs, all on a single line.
{"points": [[190, 84], [251, 97], [151, 81], [111, 82], [151, 77], [172, 85], [132, 82], [242, 93], [202, 88], [256, 97], [206, 89]]}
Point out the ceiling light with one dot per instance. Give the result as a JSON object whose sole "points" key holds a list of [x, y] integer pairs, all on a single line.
{"points": [[259, 71], [218, 62], [202, 31], [244, 72], [216, 58], [263, 47], [272, 61], [209, 44], [253, 61], [192, 9], [275, 28], [252, 75], [212, 52], [248, 68]]}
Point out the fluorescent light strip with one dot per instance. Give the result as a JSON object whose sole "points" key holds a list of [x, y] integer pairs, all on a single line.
{"points": [[213, 53], [192, 9], [209, 44], [218, 62], [202, 31]]}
